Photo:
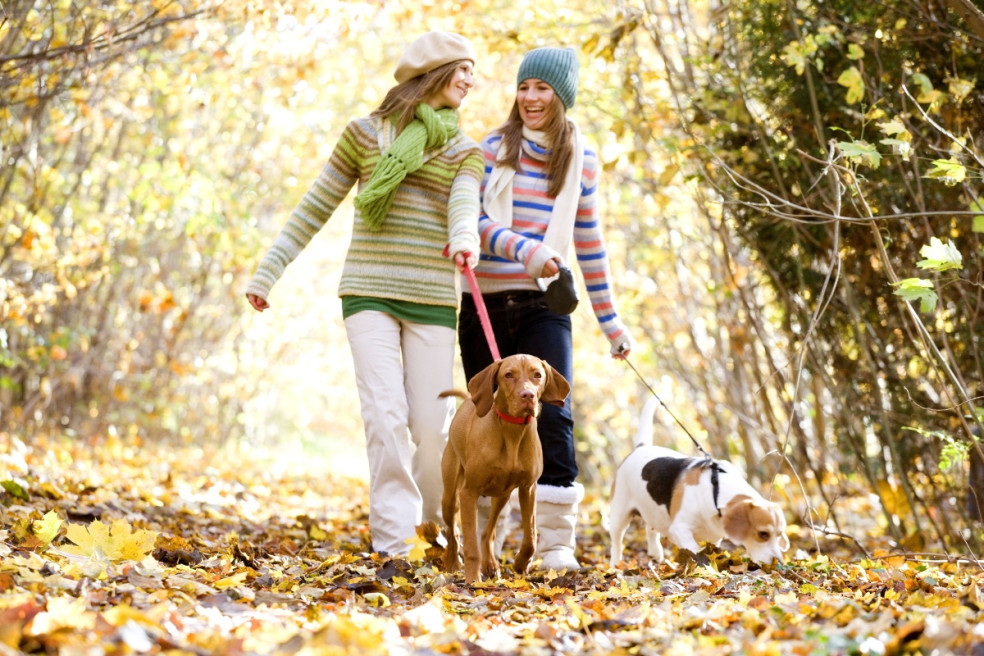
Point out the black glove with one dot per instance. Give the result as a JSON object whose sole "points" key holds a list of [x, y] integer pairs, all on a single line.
{"points": [[561, 294]]}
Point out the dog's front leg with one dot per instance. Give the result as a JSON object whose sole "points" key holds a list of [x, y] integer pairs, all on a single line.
{"points": [[468, 501], [490, 566], [449, 507], [527, 511], [683, 537]]}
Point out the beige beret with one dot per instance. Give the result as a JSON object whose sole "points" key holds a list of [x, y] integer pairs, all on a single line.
{"points": [[430, 51]]}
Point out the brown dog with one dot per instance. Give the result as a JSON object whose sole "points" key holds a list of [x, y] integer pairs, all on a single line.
{"points": [[492, 453]]}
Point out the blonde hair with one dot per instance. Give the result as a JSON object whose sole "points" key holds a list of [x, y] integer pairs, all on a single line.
{"points": [[558, 131], [400, 102]]}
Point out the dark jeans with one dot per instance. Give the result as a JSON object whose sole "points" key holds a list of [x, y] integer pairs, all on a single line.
{"points": [[522, 323]]}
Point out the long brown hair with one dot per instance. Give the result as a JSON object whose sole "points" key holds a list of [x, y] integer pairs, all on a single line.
{"points": [[558, 131], [402, 100]]}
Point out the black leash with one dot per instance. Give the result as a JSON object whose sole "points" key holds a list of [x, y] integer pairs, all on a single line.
{"points": [[715, 468], [679, 423]]}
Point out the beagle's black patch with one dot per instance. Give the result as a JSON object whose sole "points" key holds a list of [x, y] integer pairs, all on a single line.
{"points": [[661, 476]]}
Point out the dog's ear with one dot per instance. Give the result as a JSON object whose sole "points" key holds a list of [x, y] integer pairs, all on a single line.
{"points": [[737, 520], [482, 388], [781, 527], [555, 388]]}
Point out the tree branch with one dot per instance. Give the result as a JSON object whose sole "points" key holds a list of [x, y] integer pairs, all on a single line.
{"points": [[970, 13]]}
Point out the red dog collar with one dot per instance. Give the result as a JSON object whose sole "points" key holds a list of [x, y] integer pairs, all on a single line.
{"points": [[511, 419]]}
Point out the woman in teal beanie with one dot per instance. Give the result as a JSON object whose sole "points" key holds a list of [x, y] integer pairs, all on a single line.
{"points": [[418, 177], [539, 197]]}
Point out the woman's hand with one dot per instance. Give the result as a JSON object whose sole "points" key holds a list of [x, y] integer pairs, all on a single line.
{"points": [[258, 302], [463, 259], [621, 352], [551, 268]]}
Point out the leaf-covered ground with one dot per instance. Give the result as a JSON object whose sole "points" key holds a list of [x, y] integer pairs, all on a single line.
{"points": [[131, 549]]}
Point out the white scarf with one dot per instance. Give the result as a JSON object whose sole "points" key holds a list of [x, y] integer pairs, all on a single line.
{"points": [[497, 201]]}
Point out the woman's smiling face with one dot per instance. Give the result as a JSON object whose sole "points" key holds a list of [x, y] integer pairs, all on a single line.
{"points": [[534, 97], [456, 89]]}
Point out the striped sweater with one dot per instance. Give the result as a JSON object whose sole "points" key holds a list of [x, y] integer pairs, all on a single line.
{"points": [[435, 206], [510, 256]]}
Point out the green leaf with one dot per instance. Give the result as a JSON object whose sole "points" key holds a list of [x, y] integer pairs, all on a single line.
{"points": [[953, 452], [851, 78], [926, 91], [894, 126], [917, 289], [855, 52], [797, 54], [978, 206], [14, 489], [860, 152], [940, 256], [949, 171]]}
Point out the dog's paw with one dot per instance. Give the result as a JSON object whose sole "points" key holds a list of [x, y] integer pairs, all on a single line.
{"points": [[490, 572]]}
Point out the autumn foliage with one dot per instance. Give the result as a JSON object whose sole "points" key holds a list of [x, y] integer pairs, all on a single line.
{"points": [[168, 554]]}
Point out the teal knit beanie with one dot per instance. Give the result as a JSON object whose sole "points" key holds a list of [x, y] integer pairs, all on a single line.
{"points": [[555, 66]]}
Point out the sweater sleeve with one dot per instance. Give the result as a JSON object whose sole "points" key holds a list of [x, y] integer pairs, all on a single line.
{"points": [[463, 207], [337, 178], [592, 257]]}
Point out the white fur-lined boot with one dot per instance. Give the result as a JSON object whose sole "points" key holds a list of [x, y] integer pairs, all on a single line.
{"points": [[556, 522]]}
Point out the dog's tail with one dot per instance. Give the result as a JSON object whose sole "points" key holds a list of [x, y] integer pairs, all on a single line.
{"points": [[644, 432], [453, 392]]}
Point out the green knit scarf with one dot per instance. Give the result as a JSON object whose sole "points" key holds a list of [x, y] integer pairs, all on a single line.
{"points": [[430, 128]]}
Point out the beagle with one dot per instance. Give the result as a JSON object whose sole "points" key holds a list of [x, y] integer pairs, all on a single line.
{"points": [[690, 500]]}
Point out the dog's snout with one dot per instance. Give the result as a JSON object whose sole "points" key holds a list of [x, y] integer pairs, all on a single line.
{"points": [[527, 394]]}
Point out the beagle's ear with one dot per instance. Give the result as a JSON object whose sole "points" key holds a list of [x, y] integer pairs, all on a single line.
{"points": [[780, 527], [555, 388], [737, 520], [482, 388]]}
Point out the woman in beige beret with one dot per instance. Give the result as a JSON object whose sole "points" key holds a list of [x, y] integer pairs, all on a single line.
{"points": [[418, 178]]}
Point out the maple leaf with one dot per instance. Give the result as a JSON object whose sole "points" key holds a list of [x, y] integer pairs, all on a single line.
{"points": [[117, 542], [425, 545], [46, 529], [915, 289], [940, 256]]}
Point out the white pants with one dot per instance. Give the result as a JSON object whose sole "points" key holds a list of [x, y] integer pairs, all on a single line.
{"points": [[400, 368]]}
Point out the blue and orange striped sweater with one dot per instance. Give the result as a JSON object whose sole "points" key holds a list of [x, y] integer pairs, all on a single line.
{"points": [[510, 255]]}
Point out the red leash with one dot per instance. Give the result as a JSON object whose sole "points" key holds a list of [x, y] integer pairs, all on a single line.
{"points": [[483, 314]]}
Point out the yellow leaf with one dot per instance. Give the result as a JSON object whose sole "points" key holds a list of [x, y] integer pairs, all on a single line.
{"points": [[47, 528], [129, 544], [418, 548], [100, 542], [580, 619], [231, 581], [62, 613], [851, 78], [377, 599], [123, 613], [90, 542], [894, 498], [357, 633]]}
